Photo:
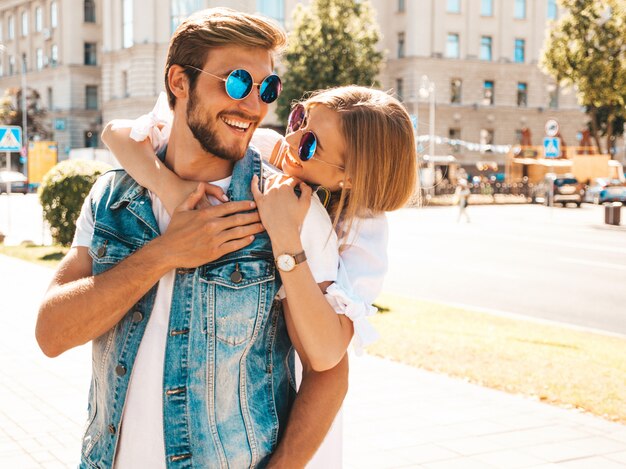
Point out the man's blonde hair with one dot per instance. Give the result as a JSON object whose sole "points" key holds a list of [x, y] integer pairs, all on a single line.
{"points": [[218, 27], [380, 156]]}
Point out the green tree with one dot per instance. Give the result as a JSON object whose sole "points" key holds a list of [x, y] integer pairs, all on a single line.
{"points": [[586, 48], [11, 112], [333, 43]]}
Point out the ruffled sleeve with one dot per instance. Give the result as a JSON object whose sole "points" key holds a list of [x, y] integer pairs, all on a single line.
{"points": [[156, 125], [362, 269]]}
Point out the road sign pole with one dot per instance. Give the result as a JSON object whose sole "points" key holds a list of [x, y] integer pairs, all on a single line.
{"points": [[8, 165]]}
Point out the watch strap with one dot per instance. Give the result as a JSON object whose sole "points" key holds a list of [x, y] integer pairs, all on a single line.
{"points": [[300, 257]]}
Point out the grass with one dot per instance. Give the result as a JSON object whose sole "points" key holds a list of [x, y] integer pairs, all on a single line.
{"points": [[50, 256], [561, 366]]}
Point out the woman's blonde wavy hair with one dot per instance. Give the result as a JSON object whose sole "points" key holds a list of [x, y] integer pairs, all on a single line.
{"points": [[380, 158]]}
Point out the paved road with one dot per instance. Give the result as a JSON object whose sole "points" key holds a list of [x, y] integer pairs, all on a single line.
{"points": [[556, 264]]}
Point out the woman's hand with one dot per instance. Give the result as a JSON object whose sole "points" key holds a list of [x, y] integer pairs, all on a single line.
{"points": [[282, 211], [211, 191]]}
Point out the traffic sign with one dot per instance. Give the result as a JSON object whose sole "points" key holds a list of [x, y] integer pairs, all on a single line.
{"points": [[10, 138], [552, 147], [552, 128]]}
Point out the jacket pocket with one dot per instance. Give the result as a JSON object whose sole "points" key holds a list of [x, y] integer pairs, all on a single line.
{"points": [[235, 293]]}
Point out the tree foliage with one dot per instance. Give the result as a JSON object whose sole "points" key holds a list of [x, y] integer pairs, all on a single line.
{"points": [[11, 112], [62, 193], [586, 48], [333, 43]]}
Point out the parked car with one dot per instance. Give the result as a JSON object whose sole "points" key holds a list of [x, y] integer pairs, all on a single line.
{"points": [[604, 190], [16, 187], [561, 189]]}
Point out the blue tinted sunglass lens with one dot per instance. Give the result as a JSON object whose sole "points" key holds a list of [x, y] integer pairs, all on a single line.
{"points": [[308, 144], [239, 84], [296, 117], [270, 89]]}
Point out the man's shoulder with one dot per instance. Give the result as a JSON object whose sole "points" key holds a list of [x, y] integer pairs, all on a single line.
{"points": [[112, 186]]}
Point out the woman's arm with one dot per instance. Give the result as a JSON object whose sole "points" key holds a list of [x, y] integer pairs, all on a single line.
{"points": [[323, 333], [140, 161]]}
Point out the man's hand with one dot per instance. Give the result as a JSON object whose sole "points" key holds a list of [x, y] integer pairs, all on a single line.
{"points": [[197, 236]]}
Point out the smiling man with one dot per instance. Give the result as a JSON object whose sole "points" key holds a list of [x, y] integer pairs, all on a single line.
{"points": [[191, 356]]}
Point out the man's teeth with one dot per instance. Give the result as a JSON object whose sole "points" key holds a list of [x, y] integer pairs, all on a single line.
{"points": [[238, 124]]}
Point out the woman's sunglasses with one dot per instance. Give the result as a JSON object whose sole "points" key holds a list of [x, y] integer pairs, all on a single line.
{"points": [[239, 84], [308, 141]]}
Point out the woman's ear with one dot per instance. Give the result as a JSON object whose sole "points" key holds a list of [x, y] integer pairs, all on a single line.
{"points": [[346, 183], [178, 82]]}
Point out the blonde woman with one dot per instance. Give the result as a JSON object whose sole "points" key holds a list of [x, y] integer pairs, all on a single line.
{"points": [[358, 144]]}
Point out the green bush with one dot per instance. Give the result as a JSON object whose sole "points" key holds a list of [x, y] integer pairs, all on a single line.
{"points": [[62, 193]]}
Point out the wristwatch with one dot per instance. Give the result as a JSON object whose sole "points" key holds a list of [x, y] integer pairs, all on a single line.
{"points": [[287, 262]]}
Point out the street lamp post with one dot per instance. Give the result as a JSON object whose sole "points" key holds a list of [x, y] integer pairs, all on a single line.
{"points": [[24, 116], [427, 90]]}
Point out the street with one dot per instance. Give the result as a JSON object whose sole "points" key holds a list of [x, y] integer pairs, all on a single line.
{"points": [[552, 263]]}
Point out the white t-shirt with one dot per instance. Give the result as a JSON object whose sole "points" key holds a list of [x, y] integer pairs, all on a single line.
{"points": [[141, 442]]}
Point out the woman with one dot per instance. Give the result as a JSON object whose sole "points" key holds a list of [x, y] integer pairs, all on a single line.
{"points": [[356, 142]]}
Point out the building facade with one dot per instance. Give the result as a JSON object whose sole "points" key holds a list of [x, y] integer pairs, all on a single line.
{"points": [[481, 60], [57, 44], [136, 35], [94, 60]]}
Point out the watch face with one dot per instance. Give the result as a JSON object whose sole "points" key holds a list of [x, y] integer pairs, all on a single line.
{"points": [[286, 262]]}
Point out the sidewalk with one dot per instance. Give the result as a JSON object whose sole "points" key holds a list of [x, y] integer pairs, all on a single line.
{"points": [[395, 416]]}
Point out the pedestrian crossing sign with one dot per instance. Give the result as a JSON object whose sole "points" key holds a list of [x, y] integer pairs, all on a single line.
{"points": [[552, 147], [10, 138]]}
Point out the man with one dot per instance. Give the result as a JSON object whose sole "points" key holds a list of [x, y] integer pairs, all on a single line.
{"points": [[190, 352]]}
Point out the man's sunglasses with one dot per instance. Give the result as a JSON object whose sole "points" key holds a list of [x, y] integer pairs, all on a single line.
{"points": [[239, 84], [308, 141]]}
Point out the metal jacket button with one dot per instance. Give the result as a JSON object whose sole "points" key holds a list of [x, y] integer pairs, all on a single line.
{"points": [[236, 276], [112, 429], [120, 370], [137, 316], [101, 251]]}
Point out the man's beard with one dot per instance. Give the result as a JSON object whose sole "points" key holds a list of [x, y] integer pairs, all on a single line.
{"points": [[205, 132]]}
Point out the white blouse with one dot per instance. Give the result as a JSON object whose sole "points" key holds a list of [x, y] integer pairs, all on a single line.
{"points": [[362, 257]]}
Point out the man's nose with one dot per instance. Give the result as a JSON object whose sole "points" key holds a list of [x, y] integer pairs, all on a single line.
{"points": [[253, 105]]}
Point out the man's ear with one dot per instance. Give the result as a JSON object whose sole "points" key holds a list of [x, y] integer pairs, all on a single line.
{"points": [[178, 81]]}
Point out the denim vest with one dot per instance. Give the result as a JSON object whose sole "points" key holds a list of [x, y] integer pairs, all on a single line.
{"points": [[228, 372]]}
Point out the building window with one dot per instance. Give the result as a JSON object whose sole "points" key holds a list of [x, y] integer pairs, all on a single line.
{"points": [[452, 46], [38, 19], [401, 6], [520, 9], [54, 19], [11, 65], [522, 94], [54, 55], [454, 6], [553, 96], [39, 54], [454, 134], [91, 57], [552, 10], [488, 93], [24, 23], [91, 97], [272, 8], [485, 48], [127, 24], [456, 90], [520, 54], [50, 98], [486, 7], [400, 89], [401, 44], [11, 28], [90, 11], [91, 139], [181, 9], [486, 137]]}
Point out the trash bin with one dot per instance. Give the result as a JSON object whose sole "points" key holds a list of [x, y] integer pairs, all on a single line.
{"points": [[612, 213]]}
